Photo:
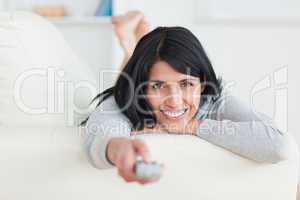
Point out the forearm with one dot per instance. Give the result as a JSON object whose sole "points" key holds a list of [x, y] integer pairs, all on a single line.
{"points": [[99, 130], [255, 140], [95, 148]]}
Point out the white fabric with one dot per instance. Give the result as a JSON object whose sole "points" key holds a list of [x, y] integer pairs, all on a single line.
{"points": [[45, 163], [41, 80]]}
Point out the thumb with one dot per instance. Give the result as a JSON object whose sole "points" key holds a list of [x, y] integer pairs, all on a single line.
{"points": [[141, 149]]}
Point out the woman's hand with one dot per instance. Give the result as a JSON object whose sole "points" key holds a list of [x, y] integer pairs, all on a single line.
{"points": [[122, 153]]}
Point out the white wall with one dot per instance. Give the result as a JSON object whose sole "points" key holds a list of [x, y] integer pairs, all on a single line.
{"points": [[247, 55]]}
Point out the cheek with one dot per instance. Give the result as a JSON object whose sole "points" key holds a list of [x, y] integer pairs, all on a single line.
{"points": [[154, 100], [193, 98]]}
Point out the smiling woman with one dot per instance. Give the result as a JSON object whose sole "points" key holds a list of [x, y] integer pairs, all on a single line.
{"points": [[166, 56], [174, 97], [168, 85]]}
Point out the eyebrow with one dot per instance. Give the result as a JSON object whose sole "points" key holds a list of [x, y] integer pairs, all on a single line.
{"points": [[182, 80]]}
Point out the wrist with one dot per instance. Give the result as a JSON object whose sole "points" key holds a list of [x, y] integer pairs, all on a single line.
{"points": [[110, 157]]}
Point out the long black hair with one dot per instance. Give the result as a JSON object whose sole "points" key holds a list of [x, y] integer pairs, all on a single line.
{"points": [[178, 47]]}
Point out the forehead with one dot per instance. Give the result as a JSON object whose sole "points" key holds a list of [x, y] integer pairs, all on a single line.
{"points": [[162, 71]]}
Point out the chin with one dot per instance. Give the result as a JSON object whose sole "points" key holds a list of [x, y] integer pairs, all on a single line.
{"points": [[173, 125]]}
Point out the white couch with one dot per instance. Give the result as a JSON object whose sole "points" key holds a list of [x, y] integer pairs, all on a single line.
{"points": [[41, 154]]}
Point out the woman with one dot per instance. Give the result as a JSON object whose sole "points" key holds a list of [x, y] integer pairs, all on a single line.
{"points": [[168, 85]]}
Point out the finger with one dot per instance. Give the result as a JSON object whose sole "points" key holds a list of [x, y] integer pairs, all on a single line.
{"points": [[128, 165], [133, 178], [126, 177], [127, 161], [141, 149], [148, 181], [144, 182]]}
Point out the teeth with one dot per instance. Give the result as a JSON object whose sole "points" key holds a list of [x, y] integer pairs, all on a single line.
{"points": [[174, 114]]}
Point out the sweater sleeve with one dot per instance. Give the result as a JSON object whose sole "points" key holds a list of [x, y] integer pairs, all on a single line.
{"points": [[105, 123], [233, 125]]}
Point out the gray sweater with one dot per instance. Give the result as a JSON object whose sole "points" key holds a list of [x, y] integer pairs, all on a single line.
{"points": [[227, 122]]}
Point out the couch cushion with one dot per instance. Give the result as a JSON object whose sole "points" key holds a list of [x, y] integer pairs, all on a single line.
{"points": [[42, 82]]}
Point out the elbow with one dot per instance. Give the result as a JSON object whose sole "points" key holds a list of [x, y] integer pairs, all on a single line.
{"points": [[281, 150], [278, 156]]}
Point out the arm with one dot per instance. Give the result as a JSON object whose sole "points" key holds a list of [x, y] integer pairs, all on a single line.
{"points": [[234, 126], [107, 143], [105, 123]]}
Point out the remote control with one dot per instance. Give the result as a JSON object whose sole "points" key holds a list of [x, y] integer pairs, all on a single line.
{"points": [[150, 170]]}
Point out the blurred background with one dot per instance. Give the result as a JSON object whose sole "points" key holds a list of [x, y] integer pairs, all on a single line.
{"points": [[253, 45]]}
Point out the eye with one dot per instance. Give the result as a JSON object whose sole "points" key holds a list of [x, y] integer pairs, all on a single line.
{"points": [[156, 86], [187, 84]]}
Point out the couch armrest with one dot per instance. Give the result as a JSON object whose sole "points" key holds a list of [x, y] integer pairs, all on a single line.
{"points": [[49, 163], [210, 172]]}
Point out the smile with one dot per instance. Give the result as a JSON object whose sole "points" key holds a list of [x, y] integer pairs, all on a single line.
{"points": [[174, 114]]}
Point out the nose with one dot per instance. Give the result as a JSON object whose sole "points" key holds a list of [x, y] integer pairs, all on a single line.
{"points": [[174, 97]]}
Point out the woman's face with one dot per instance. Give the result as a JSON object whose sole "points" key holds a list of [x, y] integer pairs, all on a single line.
{"points": [[174, 96]]}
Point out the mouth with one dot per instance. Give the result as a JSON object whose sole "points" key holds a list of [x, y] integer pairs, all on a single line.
{"points": [[174, 114]]}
